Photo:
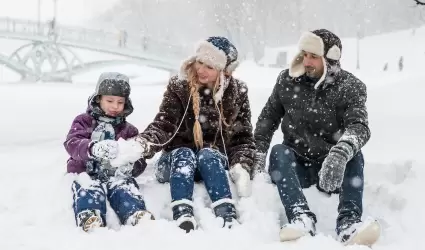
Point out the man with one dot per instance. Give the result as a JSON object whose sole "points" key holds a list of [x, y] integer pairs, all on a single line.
{"points": [[325, 125]]}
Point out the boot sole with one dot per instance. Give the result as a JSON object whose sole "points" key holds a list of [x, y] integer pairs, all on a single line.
{"points": [[367, 236], [290, 234], [140, 216], [92, 223]]}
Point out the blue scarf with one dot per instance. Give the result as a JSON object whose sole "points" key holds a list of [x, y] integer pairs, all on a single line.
{"points": [[101, 169]]}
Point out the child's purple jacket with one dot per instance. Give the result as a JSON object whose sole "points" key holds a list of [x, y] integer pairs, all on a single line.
{"points": [[78, 142]]}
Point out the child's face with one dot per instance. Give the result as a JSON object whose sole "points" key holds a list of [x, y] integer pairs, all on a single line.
{"points": [[112, 105]]}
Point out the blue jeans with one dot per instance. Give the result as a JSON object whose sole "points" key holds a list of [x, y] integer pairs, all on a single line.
{"points": [[183, 166], [291, 173], [123, 196]]}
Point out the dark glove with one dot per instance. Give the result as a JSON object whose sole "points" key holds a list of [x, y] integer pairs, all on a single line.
{"points": [[331, 175], [139, 167]]}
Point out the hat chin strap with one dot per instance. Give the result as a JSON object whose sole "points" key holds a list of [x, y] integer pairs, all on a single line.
{"points": [[322, 78], [222, 85], [297, 69]]}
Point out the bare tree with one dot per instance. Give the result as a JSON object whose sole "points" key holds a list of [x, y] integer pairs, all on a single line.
{"points": [[419, 2], [228, 16], [250, 24], [261, 25], [255, 24]]}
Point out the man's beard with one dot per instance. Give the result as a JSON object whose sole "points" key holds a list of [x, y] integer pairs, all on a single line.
{"points": [[311, 72]]}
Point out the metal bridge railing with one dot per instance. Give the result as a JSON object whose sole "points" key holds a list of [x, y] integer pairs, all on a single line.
{"points": [[117, 39]]}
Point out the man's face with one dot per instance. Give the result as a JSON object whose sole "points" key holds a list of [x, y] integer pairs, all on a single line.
{"points": [[313, 65]]}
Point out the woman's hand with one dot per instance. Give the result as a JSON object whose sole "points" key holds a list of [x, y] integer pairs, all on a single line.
{"points": [[242, 179]]}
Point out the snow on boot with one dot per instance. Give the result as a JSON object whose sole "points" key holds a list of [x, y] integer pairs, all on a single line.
{"points": [[361, 233], [301, 226], [183, 214], [225, 208], [89, 220], [139, 215]]}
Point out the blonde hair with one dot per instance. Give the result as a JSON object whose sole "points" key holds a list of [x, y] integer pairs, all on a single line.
{"points": [[194, 89]]}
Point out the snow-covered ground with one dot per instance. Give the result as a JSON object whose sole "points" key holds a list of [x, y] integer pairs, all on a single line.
{"points": [[35, 202]]}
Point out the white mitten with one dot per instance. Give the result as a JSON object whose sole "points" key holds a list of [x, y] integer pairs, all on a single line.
{"points": [[130, 150], [242, 180], [106, 149]]}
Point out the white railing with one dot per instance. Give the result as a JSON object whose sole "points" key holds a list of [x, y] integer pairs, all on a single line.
{"points": [[119, 39]]}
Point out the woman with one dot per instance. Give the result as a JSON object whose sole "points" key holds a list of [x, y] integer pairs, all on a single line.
{"points": [[202, 142]]}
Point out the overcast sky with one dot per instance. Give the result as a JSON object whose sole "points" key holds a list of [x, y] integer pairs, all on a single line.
{"points": [[71, 12]]}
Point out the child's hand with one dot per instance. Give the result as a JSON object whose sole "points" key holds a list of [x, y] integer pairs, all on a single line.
{"points": [[106, 149]]}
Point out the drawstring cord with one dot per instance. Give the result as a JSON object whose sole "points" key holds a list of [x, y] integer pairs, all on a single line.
{"points": [[182, 120]]}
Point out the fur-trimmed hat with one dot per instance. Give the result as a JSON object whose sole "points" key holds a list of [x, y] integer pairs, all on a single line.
{"points": [[323, 43], [217, 52], [115, 84]]}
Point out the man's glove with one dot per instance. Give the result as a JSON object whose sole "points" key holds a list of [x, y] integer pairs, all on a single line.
{"points": [[331, 175]]}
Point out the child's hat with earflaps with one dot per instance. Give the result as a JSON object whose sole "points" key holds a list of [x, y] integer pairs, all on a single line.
{"points": [[114, 84]]}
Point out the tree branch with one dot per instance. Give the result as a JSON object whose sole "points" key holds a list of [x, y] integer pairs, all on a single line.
{"points": [[419, 2]]}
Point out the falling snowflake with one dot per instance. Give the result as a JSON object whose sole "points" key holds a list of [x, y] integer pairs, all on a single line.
{"points": [[356, 182], [276, 175], [202, 118]]}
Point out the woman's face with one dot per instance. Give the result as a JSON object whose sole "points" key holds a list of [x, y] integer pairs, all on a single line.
{"points": [[207, 75]]}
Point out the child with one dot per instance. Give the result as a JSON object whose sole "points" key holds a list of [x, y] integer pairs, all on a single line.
{"points": [[91, 144]]}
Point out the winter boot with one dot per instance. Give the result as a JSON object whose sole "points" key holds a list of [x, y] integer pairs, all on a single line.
{"points": [[89, 219], [230, 222], [183, 215], [359, 233], [225, 208], [139, 215], [301, 226]]}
